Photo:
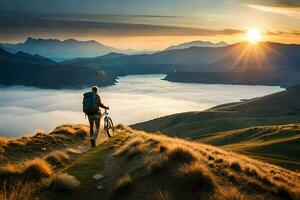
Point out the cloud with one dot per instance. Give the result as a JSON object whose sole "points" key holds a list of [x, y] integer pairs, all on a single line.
{"points": [[279, 33], [17, 24], [134, 99], [288, 7]]}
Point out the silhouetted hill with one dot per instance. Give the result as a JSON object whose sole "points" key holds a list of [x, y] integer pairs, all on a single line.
{"points": [[24, 57], [196, 44], [53, 48], [34, 70], [89, 61], [230, 58], [279, 108]]}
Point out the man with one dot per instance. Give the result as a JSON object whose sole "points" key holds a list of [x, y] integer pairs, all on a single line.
{"points": [[95, 115]]}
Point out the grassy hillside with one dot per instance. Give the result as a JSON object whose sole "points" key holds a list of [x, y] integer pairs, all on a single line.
{"points": [[69, 138], [234, 126], [139, 165], [275, 144], [279, 108]]}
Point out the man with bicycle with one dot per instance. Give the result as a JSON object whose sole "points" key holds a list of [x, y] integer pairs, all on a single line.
{"points": [[91, 107]]}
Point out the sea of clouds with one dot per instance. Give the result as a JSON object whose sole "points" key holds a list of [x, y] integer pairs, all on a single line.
{"points": [[23, 110]]}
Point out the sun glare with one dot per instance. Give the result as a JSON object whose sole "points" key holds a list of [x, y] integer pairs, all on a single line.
{"points": [[253, 35]]}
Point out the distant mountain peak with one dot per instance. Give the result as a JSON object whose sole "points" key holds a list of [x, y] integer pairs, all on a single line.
{"points": [[55, 48], [197, 43]]}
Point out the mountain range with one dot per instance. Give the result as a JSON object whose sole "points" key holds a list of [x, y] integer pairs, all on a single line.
{"points": [[268, 63], [196, 44], [61, 50], [34, 70], [242, 63], [240, 56]]}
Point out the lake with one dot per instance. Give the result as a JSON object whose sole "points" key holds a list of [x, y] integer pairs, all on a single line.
{"points": [[24, 110]]}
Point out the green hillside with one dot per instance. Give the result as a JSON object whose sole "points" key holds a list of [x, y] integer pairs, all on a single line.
{"points": [[275, 109], [251, 127], [275, 144]]}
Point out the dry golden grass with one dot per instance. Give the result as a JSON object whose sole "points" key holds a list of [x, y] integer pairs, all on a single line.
{"points": [[72, 151], [197, 176], [41, 144], [36, 169], [30, 170], [120, 127], [235, 165], [123, 184], [162, 195], [24, 160], [80, 131], [134, 151], [63, 183], [182, 154], [16, 143], [232, 194], [207, 167], [160, 164], [17, 191], [3, 140], [129, 145], [9, 170], [57, 158]]}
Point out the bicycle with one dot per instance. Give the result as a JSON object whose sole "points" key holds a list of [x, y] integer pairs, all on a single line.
{"points": [[108, 124]]}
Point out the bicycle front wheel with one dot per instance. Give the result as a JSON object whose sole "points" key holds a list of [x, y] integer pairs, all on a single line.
{"points": [[109, 126]]}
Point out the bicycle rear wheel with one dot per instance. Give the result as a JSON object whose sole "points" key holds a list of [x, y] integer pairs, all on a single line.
{"points": [[109, 126]]}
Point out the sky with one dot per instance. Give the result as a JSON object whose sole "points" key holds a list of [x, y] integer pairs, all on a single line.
{"points": [[149, 25]]}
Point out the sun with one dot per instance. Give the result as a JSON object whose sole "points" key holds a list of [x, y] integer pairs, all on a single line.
{"points": [[253, 35]]}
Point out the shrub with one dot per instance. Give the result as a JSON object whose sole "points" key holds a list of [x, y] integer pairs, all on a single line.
{"points": [[235, 166], [134, 151], [3, 142], [232, 194], [210, 157], [219, 160], [196, 176], [120, 126], [57, 158], [80, 131], [15, 143], [182, 155], [82, 134], [123, 184], [64, 182], [9, 171], [159, 165], [130, 144], [36, 169]]}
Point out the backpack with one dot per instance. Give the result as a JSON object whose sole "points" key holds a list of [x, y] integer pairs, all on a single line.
{"points": [[89, 103]]}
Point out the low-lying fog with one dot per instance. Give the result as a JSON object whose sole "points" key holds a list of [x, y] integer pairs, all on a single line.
{"points": [[134, 99]]}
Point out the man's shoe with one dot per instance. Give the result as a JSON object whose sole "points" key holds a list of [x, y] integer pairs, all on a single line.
{"points": [[93, 143]]}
